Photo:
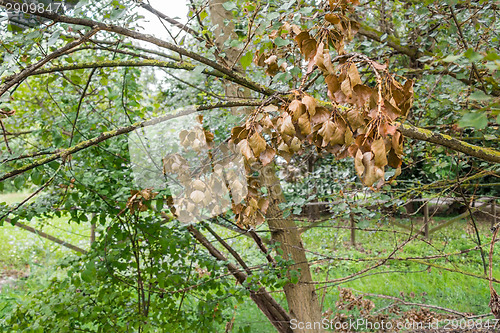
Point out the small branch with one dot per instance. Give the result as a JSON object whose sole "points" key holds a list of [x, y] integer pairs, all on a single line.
{"points": [[403, 302], [80, 104], [128, 63], [49, 237], [230, 249], [231, 74], [4, 132], [176, 23], [17, 79], [267, 304]]}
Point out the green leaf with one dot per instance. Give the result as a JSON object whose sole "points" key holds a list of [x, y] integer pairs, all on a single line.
{"points": [[452, 58], [198, 70], [280, 42], [473, 55], [246, 60], [473, 119], [273, 16], [159, 205], [36, 177], [229, 5], [479, 96], [425, 58]]}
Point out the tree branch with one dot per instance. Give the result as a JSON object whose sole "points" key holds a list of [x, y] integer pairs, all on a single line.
{"points": [[484, 153], [125, 63], [49, 237], [175, 23]]}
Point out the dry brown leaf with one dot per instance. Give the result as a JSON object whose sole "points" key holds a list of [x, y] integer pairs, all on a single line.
{"points": [[319, 57], [353, 74], [322, 114], [397, 143], [295, 145], [245, 149], [301, 37], [304, 124], [287, 125], [355, 119], [362, 94], [393, 160], [310, 104], [346, 88], [297, 109], [385, 128], [358, 163], [263, 205], [327, 62], [266, 122], [257, 143], [333, 85], [338, 136], [378, 149], [267, 156], [270, 108], [326, 131], [332, 18], [309, 48], [348, 138]]}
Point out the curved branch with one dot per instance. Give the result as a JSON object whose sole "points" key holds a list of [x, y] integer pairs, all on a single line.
{"points": [[26, 72], [170, 20]]}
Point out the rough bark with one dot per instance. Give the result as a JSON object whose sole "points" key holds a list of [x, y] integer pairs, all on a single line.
{"points": [[483, 153], [224, 32], [302, 299]]}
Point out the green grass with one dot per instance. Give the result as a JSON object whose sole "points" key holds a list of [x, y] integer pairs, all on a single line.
{"points": [[20, 248], [416, 282]]}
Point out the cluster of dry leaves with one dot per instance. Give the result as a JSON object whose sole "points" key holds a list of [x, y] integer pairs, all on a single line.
{"points": [[348, 304], [359, 120]]}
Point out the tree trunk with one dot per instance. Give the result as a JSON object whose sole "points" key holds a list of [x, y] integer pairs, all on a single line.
{"points": [[302, 300]]}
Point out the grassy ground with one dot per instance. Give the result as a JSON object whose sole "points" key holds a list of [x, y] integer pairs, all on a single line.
{"points": [[414, 281], [20, 248], [331, 253]]}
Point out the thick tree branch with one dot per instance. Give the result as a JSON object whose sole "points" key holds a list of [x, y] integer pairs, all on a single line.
{"points": [[268, 305], [484, 153], [125, 63]]}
